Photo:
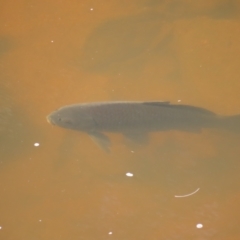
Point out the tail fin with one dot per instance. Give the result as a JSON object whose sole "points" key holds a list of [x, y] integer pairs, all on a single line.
{"points": [[230, 123]]}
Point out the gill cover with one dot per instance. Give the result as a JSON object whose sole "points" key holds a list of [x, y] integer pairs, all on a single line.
{"points": [[72, 117]]}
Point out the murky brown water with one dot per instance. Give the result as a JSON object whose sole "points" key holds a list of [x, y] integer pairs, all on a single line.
{"points": [[56, 53]]}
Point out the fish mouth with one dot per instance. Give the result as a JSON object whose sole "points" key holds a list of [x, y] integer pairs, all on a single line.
{"points": [[49, 120]]}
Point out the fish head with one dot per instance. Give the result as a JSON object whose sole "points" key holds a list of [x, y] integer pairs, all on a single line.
{"points": [[71, 118]]}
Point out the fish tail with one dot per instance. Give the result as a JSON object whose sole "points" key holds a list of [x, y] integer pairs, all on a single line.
{"points": [[230, 123]]}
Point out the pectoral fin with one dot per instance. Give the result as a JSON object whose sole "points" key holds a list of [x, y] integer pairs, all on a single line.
{"points": [[101, 140]]}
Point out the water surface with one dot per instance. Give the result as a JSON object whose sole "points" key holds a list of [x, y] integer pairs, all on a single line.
{"points": [[57, 53]]}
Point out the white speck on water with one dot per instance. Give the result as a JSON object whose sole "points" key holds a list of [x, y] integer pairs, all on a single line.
{"points": [[110, 233], [0, 227], [91, 9], [179, 100], [129, 174], [40, 220], [36, 144], [52, 41], [199, 225], [132, 151]]}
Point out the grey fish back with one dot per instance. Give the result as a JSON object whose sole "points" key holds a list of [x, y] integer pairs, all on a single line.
{"points": [[136, 119], [149, 116]]}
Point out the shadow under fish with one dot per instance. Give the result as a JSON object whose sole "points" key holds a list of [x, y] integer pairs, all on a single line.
{"points": [[136, 119], [125, 44], [113, 43]]}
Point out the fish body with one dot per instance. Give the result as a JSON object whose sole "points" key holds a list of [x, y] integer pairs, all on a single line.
{"points": [[135, 119]]}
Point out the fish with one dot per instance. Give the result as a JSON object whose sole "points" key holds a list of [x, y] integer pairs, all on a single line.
{"points": [[136, 119]]}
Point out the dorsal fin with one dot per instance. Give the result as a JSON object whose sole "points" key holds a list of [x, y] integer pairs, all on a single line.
{"points": [[194, 109], [186, 107]]}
